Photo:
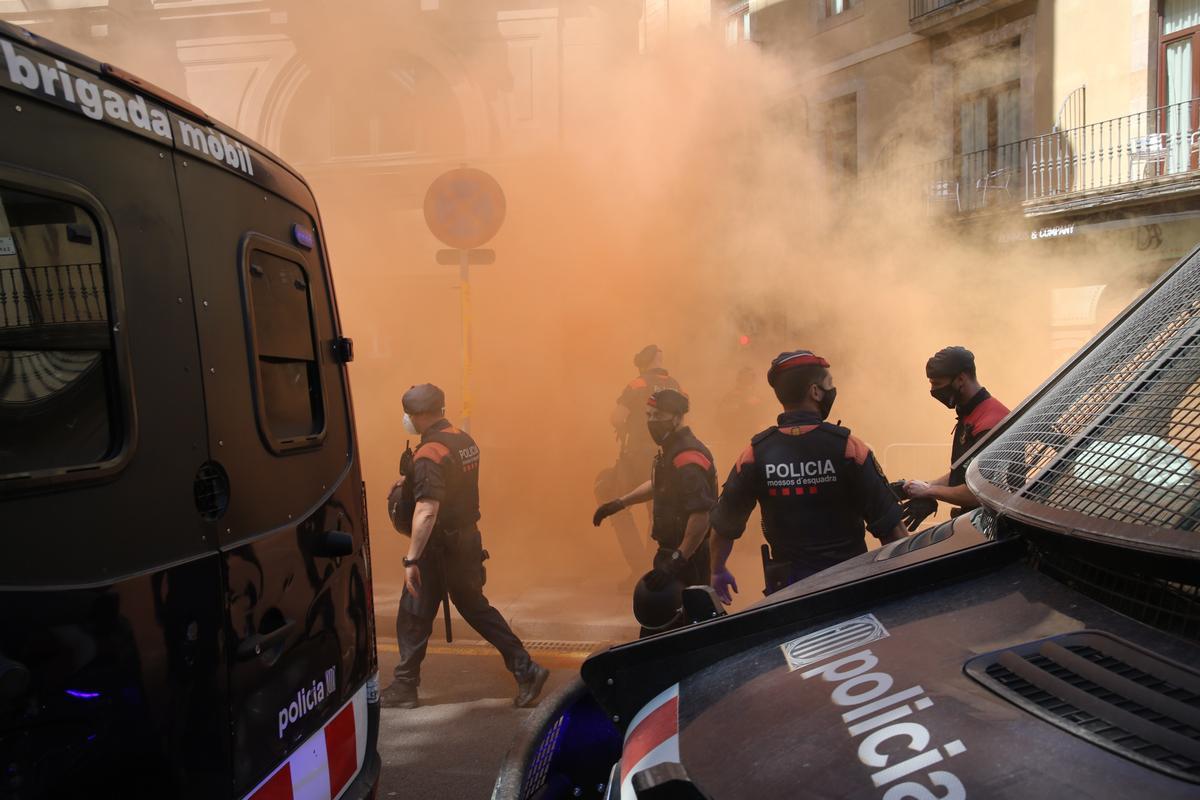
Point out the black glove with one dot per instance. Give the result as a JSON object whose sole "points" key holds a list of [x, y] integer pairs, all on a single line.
{"points": [[606, 510], [897, 488], [914, 512]]}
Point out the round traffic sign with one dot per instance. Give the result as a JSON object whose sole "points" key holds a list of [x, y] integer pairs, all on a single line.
{"points": [[464, 207]]}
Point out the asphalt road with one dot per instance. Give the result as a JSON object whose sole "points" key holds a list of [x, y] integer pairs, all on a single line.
{"points": [[452, 745]]}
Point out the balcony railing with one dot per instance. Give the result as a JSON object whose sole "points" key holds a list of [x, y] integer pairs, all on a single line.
{"points": [[919, 8], [1140, 151], [1153, 144]]}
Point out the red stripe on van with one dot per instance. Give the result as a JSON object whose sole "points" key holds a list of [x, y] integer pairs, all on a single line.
{"points": [[341, 749], [278, 788]]}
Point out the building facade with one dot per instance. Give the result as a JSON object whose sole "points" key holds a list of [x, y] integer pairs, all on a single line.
{"points": [[1061, 125]]}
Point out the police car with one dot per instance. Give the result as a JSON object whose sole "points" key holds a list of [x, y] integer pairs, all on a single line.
{"points": [[1046, 645], [185, 586]]}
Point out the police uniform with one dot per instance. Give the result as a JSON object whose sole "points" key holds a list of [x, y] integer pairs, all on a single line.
{"points": [[684, 483], [975, 418], [446, 469], [817, 485], [635, 460]]}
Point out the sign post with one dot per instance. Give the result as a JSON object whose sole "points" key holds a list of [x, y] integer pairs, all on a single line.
{"points": [[464, 208]]}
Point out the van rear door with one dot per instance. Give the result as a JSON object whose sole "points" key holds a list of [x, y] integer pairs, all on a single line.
{"points": [[110, 582], [293, 540]]}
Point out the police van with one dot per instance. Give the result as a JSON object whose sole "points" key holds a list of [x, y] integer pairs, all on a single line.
{"points": [[1046, 645], [185, 585]]}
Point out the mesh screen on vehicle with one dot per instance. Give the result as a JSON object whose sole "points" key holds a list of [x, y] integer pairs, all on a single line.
{"points": [[1117, 437]]}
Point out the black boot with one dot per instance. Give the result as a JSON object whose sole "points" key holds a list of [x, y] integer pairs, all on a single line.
{"points": [[399, 695], [529, 685]]}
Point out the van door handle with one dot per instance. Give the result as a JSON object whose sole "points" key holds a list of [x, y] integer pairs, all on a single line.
{"points": [[262, 642]]}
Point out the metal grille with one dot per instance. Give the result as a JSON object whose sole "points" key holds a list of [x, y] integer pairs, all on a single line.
{"points": [[1117, 438], [539, 765], [1101, 689]]}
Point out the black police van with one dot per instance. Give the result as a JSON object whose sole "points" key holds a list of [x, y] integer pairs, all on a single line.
{"points": [[1045, 645], [185, 588]]}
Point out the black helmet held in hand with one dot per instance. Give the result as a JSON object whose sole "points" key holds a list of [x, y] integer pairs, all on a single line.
{"points": [[657, 605]]}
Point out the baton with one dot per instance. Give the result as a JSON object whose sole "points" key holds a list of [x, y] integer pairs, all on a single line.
{"points": [[446, 603]]}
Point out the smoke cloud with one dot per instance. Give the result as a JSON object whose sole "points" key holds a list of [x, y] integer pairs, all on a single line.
{"points": [[689, 208]]}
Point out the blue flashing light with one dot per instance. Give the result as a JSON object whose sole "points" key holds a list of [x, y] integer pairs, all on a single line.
{"points": [[303, 236], [81, 695]]}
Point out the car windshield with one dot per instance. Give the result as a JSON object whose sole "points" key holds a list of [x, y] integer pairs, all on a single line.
{"points": [[1113, 446]]}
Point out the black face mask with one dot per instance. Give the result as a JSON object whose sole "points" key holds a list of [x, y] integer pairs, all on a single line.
{"points": [[825, 405], [660, 429], [946, 395]]}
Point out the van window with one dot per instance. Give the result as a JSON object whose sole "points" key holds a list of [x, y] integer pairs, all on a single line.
{"points": [[57, 371], [288, 375]]}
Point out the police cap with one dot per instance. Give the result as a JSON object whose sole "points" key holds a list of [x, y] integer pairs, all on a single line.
{"points": [[424, 398], [950, 361], [672, 401], [796, 358], [645, 356]]}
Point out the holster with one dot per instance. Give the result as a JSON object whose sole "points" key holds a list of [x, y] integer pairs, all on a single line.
{"points": [[776, 574]]}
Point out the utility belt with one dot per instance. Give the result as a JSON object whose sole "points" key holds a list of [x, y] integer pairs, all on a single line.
{"points": [[778, 573], [443, 540]]}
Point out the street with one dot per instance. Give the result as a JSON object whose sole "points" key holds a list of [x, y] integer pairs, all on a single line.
{"points": [[453, 744]]}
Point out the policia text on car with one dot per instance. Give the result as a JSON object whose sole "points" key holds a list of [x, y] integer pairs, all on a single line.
{"points": [[683, 486], [445, 556], [816, 485]]}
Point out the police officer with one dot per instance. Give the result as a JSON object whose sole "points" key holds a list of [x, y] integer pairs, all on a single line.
{"points": [[953, 383], [816, 485], [446, 552], [636, 453], [683, 488]]}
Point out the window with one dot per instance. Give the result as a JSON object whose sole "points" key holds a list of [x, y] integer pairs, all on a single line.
{"points": [[838, 133], [831, 8], [737, 24], [291, 412], [987, 120], [58, 395], [1178, 67]]}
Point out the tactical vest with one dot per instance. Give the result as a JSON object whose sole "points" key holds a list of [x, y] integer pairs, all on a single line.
{"points": [[805, 485], [460, 506], [670, 516]]}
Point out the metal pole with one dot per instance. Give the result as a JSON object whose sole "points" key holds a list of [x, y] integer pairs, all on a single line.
{"points": [[464, 275]]}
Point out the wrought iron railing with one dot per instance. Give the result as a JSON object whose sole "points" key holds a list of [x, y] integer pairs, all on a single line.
{"points": [[67, 293], [919, 8], [1152, 144], [1137, 150]]}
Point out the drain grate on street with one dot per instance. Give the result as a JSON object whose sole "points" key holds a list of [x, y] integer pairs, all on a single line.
{"points": [[552, 647]]}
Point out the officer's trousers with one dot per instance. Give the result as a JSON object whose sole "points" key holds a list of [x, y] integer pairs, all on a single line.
{"points": [[458, 555]]}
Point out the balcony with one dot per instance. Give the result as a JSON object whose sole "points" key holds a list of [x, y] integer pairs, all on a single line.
{"points": [[928, 17], [1151, 155]]}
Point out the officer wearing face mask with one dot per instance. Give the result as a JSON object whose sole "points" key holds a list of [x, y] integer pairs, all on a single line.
{"points": [[816, 484], [683, 486], [953, 383], [445, 555]]}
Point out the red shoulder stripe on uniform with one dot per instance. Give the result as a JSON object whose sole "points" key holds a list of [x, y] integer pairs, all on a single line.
{"points": [[987, 416], [692, 457], [450, 429], [434, 451], [637, 383], [857, 450], [747, 457]]}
